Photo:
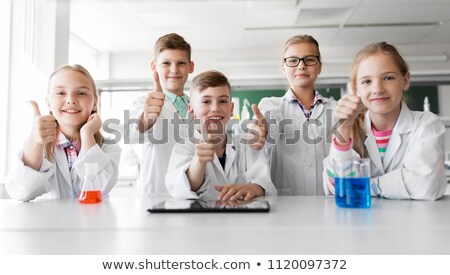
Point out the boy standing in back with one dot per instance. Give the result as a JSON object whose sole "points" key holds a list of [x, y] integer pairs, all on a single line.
{"points": [[160, 113]]}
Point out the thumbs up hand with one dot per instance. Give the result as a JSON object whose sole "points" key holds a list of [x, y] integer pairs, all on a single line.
{"points": [[348, 108], [204, 151], [258, 132], [155, 100], [43, 132], [44, 128], [345, 113]]}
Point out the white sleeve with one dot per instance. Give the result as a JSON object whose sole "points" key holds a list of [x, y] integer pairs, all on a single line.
{"points": [[24, 183], [422, 175], [328, 169], [177, 182], [107, 157], [258, 170]]}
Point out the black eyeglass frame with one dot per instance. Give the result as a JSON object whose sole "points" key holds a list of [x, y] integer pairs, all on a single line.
{"points": [[302, 59]]}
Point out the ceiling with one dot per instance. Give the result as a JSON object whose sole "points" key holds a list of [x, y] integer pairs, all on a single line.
{"points": [[134, 25], [419, 27]]}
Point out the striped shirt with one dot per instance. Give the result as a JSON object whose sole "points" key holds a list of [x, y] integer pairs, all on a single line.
{"points": [[318, 99], [382, 139], [70, 148]]}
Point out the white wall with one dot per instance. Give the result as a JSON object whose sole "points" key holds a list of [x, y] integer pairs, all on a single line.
{"points": [[265, 63], [36, 31]]}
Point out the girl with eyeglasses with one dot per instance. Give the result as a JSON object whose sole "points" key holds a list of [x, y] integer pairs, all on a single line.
{"points": [[296, 138]]}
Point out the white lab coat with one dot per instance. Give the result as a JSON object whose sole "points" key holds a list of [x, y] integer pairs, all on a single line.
{"points": [[55, 181], [157, 144], [297, 147], [242, 165], [413, 166]]}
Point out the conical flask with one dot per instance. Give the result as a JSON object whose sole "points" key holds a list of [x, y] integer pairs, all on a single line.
{"points": [[90, 191]]}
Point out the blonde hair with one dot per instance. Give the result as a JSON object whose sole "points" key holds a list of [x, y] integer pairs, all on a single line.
{"points": [[172, 41], [358, 130], [209, 79], [50, 147], [301, 39]]}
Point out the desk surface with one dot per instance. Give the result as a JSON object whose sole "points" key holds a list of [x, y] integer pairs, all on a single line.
{"points": [[295, 225]]}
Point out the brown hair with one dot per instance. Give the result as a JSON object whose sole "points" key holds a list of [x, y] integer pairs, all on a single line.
{"points": [[358, 130], [209, 79], [172, 41], [50, 147], [301, 39]]}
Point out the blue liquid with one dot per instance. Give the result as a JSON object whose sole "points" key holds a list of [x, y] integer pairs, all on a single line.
{"points": [[352, 192]]}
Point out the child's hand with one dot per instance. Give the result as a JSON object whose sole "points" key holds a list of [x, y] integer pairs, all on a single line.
{"points": [[155, 100], [44, 128], [93, 124], [246, 191], [348, 108], [258, 140], [204, 152]]}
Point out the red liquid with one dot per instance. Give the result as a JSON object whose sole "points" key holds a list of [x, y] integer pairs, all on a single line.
{"points": [[89, 197]]}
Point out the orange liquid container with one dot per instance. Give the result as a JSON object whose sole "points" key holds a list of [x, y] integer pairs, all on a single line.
{"points": [[90, 197]]}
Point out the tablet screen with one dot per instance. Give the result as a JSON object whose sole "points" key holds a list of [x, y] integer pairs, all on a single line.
{"points": [[178, 206]]}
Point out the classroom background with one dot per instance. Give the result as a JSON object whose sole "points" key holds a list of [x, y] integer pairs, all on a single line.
{"points": [[242, 38]]}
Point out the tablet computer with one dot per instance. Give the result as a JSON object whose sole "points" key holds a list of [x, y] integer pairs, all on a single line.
{"points": [[196, 206]]}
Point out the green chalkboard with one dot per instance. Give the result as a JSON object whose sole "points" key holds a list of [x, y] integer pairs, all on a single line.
{"points": [[255, 96], [415, 96]]}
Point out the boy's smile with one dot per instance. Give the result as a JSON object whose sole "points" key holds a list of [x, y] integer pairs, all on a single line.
{"points": [[173, 67], [212, 105]]}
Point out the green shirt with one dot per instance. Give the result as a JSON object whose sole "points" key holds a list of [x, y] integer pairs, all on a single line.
{"points": [[179, 102]]}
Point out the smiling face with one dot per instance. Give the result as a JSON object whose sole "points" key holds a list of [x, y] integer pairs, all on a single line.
{"points": [[301, 76], [173, 67], [380, 84], [212, 105], [71, 99]]}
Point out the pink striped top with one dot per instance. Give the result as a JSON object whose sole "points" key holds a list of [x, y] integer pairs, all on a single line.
{"points": [[382, 139]]}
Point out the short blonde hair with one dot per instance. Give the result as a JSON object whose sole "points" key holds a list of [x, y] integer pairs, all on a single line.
{"points": [[172, 41], [209, 79], [301, 39]]}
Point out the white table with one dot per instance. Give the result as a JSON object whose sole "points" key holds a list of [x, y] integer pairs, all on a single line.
{"points": [[295, 225]]}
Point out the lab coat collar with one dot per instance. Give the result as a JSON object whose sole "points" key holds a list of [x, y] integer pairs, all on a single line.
{"points": [[403, 125], [318, 109], [63, 166], [231, 155]]}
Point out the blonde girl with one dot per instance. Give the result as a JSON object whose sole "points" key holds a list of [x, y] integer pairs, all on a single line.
{"points": [[405, 147], [51, 164], [296, 139]]}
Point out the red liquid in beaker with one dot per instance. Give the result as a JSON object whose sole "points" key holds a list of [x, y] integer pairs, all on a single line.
{"points": [[89, 197]]}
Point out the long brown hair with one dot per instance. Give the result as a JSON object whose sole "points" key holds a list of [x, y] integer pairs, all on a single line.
{"points": [[358, 130], [50, 147]]}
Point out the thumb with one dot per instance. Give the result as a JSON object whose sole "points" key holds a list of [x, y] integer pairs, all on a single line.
{"points": [[350, 89], [257, 112], [35, 107], [157, 84]]}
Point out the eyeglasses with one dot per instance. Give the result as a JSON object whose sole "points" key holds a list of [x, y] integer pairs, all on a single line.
{"points": [[309, 60]]}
